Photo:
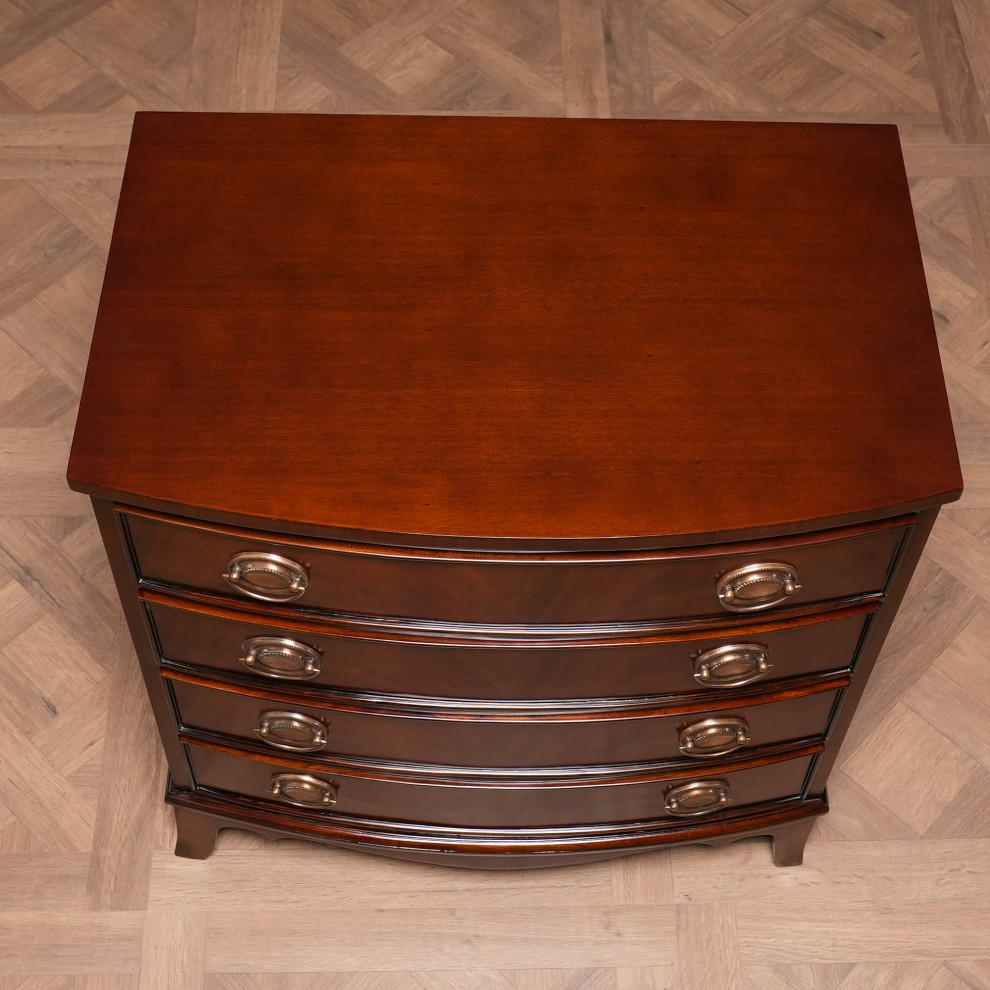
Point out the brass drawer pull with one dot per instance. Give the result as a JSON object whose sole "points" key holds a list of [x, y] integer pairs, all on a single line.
{"points": [[266, 576], [273, 656], [290, 730], [304, 791], [757, 586], [732, 665], [700, 797], [714, 737]]}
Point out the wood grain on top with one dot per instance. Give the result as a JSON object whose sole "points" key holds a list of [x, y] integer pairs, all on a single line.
{"points": [[514, 328]]}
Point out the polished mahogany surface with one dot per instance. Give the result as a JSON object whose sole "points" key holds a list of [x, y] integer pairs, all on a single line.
{"points": [[511, 330], [510, 491]]}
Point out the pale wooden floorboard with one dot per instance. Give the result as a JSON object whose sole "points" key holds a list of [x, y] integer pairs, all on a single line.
{"points": [[896, 880]]}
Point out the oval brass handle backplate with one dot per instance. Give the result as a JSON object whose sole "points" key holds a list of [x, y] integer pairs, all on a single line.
{"points": [[732, 665], [293, 731], [714, 736], [278, 657], [700, 797], [303, 790], [266, 576], [757, 586]]}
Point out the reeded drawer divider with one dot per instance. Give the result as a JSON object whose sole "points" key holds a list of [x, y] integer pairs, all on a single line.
{"points": [[446, 632], [512, 777], [485, 636], [375, 703]]}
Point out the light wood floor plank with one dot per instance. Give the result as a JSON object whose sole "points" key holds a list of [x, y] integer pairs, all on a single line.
{"points": [[652, 978], [343, 879], [907, 931], [707, 948], [83, 205], [801, 977], [70, 943], [764, 26], [49, 881], [131, 790], [172, 951], [374, 47], [585, 72], [642, 879], [235, 56], [925, 626], [974, 28], [947, 870], [900, 976], [503, 68], [407, 939], [38, 795], [962, 555], [875, 72], [974, 973], [946, 159], [627, 59]]}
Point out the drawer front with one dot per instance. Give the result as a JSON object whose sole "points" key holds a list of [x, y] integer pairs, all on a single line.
{"points": [[500, 739], [219, 639], [491, 804], [505, 589]]}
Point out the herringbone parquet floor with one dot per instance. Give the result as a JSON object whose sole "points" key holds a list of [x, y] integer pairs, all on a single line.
{"points": [[896, 888]]}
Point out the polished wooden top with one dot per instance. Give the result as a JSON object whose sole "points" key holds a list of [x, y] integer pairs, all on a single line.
{"points": [[533, 329]]}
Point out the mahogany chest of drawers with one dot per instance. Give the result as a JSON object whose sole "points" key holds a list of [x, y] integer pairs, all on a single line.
{"points": [[505, 492]]}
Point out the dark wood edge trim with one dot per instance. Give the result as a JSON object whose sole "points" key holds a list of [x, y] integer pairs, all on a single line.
{"points": [[864, 639], [870, 649], [498, 778], [425, 632], [143, 638], [241, 813], [446, 541], [898, 555], [771, 545], [452, 709]]}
